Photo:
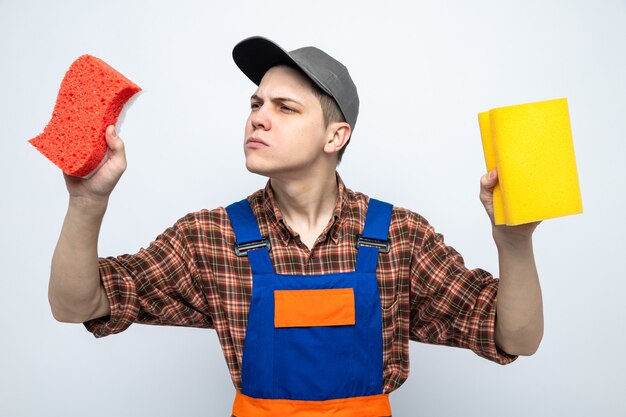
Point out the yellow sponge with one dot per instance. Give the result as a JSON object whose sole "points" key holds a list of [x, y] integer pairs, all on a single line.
{"points": [[531, 146]]}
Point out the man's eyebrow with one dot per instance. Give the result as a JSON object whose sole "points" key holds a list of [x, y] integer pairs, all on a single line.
{"points": [[276, 99]]}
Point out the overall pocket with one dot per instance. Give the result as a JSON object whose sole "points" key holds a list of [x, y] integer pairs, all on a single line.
{"points": [[314, 343]]}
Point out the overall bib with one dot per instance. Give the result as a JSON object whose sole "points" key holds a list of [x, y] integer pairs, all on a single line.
{"points": [[313, 344]]}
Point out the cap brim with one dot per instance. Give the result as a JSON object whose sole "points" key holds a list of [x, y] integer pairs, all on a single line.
{"points": [[255, 55]]}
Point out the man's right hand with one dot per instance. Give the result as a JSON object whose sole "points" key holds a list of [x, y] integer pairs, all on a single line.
{"points": [[98, 187], [75, 292]]}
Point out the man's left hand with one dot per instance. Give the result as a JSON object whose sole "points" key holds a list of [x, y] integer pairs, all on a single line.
{"points": [[502, 233]]}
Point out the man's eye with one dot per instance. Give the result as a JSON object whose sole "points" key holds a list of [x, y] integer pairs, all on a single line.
{"points": [[254, 106], [287, 109]]}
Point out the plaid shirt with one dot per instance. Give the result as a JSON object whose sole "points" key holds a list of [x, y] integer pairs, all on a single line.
{"points": [[190, 276]]}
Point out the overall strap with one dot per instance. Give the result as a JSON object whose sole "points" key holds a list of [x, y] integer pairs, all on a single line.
{"points": [[248, 237], [375, 235]]}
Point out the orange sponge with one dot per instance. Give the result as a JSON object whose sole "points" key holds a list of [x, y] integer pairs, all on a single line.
{"points": [[91, 97]]}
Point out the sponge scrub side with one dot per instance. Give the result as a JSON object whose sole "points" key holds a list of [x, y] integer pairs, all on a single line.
{"points": [[91, 97]]}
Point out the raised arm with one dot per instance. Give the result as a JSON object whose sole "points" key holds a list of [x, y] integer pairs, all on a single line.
{"points": [[519, 309], [75, 291]]}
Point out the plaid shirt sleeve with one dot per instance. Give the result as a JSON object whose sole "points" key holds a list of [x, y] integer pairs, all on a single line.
{"points": [[159, 285], [451, 304]]}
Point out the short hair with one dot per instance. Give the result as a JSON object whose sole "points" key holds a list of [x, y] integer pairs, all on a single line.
{"points": [[331, 112], [330, 109]]}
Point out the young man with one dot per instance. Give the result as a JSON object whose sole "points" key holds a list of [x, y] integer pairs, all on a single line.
{"points": [[314, 290]]}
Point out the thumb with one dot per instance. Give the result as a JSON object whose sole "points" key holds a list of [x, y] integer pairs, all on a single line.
{"points": [[489, 180], [116, 145], [487, 184], [114, 142], [116, 152]]}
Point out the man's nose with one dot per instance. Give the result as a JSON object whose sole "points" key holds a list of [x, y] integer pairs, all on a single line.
{"points": [[260, 118]]}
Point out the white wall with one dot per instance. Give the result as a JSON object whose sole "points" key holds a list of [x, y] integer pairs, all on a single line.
{"points": [[424, 70]]}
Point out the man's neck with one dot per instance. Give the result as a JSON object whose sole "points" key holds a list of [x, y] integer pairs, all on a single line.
{"points": [[307, 205]]}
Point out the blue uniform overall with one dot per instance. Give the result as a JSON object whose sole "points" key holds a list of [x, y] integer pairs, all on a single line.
{"points": [[313, 344]]}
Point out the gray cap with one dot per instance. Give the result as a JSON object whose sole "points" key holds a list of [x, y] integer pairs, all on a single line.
{"points": [[255, 55]]}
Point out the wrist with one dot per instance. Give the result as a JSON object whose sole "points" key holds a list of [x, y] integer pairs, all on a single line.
{"points": [[509, 237], [88, 206]]}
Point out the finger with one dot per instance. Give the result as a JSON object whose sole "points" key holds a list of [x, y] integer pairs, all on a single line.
{"points": [[487, 184], [117, 153], [489, 180], [113, 141]]}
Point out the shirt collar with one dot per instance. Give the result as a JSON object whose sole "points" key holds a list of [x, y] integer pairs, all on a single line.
{"points": [[277, 221]]}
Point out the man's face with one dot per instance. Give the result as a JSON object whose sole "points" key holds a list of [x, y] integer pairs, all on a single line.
{"points": [[285, 132]]}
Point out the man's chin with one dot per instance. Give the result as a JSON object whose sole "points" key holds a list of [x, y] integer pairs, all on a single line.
{"points": [[258, 170]]}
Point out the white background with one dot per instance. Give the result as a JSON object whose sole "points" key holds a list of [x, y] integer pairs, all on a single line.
{"points": [[424, 70]]}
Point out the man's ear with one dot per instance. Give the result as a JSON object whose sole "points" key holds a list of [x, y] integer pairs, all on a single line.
{"points": [[338, 135]]}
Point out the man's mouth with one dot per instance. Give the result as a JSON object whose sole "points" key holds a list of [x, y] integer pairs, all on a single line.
{"points": [[254, 142]]}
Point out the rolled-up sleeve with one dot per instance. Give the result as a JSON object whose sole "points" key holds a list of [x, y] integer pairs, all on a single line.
{"points": [[159, 285], [450, 304]]}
